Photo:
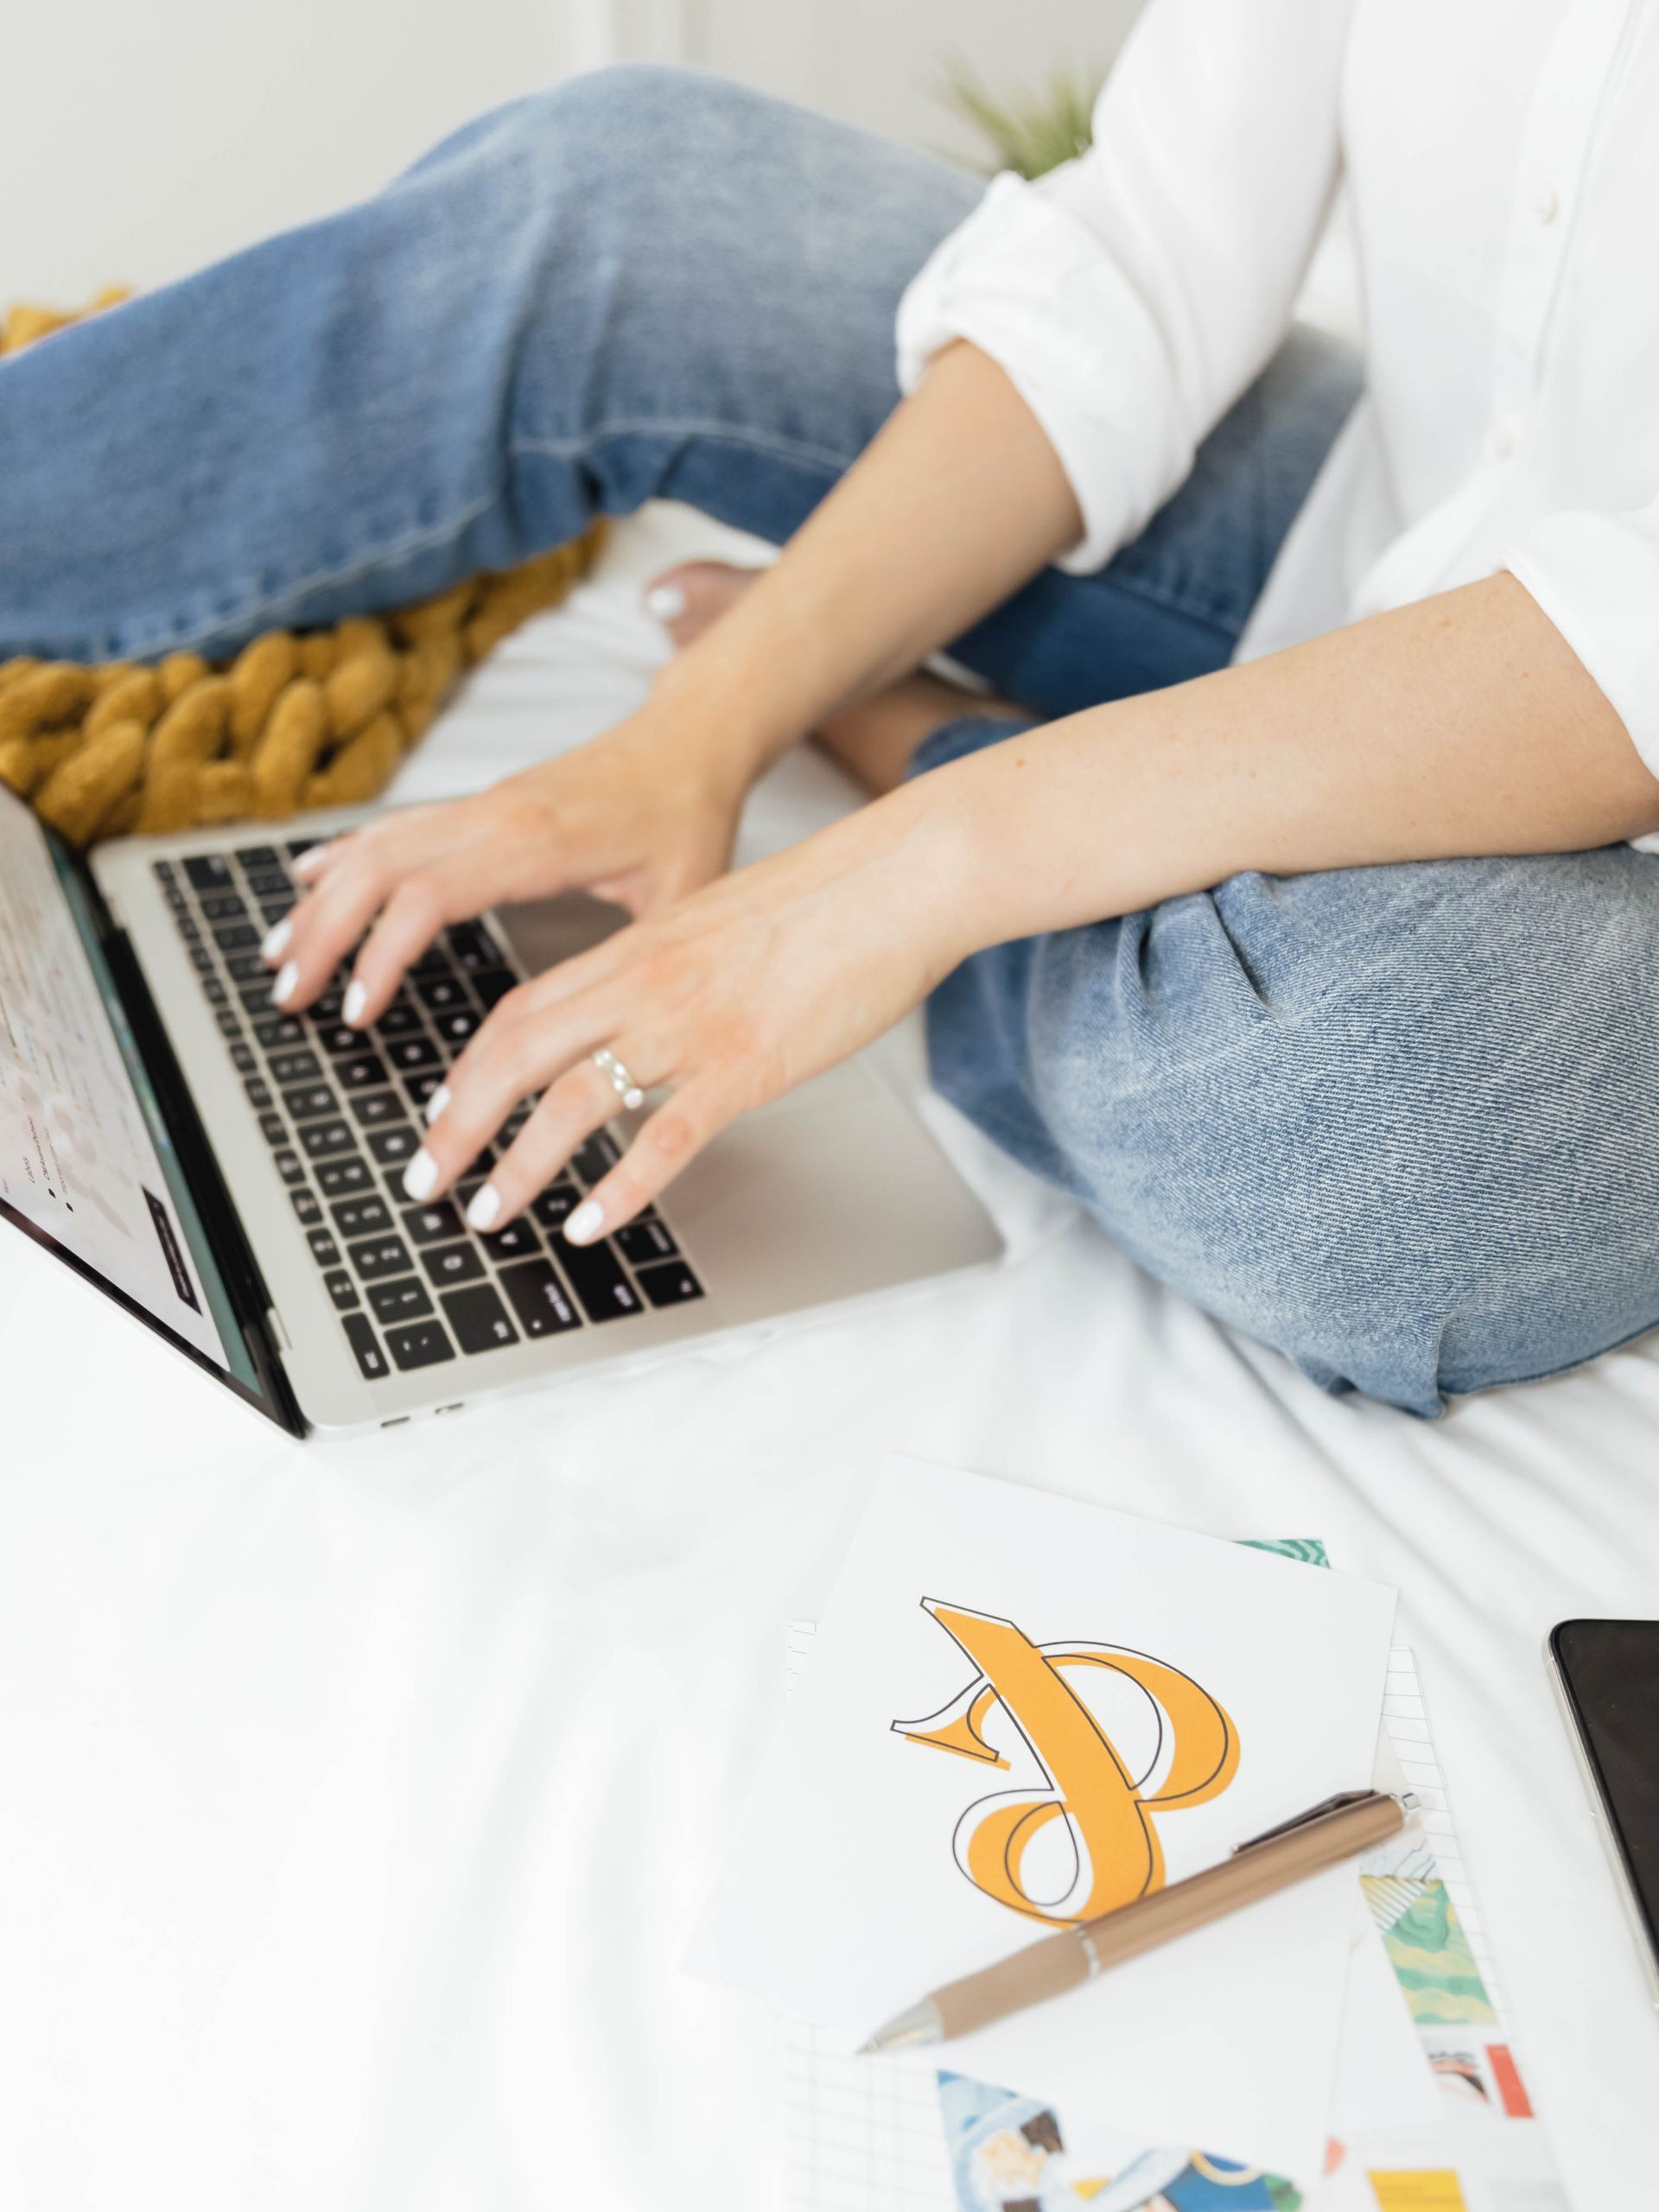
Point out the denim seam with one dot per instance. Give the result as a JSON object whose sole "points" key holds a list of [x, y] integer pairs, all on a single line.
{"points": [[393, 549], [756, 440]]}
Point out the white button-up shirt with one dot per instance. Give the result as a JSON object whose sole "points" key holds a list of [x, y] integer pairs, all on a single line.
{"points": [[1502, 161]]}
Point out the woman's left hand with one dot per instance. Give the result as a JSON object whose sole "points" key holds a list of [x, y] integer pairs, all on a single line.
{"points": [[743, 990]]}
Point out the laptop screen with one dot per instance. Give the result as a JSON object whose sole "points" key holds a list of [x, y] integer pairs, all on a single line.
{"points": [[87, 1162]]}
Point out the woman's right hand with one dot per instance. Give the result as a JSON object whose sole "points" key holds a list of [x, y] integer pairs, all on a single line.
{"points": [[640, 816]]}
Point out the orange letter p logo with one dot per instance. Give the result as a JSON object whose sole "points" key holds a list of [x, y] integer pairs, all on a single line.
{"points": [[1114, 1854]]}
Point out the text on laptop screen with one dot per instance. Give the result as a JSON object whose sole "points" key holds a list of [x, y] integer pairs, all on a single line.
{"points": [[85, 1154]]}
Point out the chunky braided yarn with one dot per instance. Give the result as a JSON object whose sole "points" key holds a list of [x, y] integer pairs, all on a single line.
{"points": [[297, 719]]}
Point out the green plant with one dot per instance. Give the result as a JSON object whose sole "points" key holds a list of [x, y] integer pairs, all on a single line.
{"points": [[1029, 132]]}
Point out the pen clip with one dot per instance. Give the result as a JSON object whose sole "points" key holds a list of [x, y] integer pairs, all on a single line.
{"points": [[1337, 1804]]}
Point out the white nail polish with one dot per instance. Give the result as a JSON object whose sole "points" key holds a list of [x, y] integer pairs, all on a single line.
{"points": [[667, 602], [282, 989], [436, 1103], [585, 1223], [310, 860], [420, 1175], [353, 1003], [276, 942], [485, 1209]]}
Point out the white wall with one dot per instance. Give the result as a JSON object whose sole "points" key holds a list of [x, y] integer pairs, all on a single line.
{"points": [[141, 137]]}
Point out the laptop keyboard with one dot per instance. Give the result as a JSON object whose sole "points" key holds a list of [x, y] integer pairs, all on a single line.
{"points": [[341, 1109]]}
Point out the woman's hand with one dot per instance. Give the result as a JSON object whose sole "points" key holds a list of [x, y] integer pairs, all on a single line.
{"points": [[641, 816], [729, 998]]}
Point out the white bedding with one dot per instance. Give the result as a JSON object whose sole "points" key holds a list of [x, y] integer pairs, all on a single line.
{"points": [[354, 1801]]}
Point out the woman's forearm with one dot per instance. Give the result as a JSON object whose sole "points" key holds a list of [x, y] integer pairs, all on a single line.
{"points": [[958, 501], [1459, 726]]}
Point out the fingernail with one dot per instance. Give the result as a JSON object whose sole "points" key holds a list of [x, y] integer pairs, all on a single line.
{"points": [[311, 860], [352, 1005], [277, 941], [420, 1175], [435, 1104], [585, 1223], [665, 601], [482, 1212], [282, 989]]}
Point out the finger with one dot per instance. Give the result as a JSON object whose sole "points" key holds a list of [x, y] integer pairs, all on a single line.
{"points": [[516, 1051], [581, 1102], [409, 921], [668, 1139], [312, 941]]}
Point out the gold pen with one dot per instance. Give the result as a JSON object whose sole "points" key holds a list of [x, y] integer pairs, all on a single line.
{"points": [[1325, 1834]]}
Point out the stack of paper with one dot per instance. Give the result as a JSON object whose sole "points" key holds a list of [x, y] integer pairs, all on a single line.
{"points": [[1022, 1711]]}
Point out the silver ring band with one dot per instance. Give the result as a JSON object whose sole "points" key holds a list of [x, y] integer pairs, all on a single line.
{"points": [[621, 1082]]}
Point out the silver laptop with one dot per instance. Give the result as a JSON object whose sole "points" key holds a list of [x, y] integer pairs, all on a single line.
{"points": [[232, 1175]]}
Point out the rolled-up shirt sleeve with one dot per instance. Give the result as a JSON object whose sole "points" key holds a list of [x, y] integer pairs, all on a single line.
{"points": [[1133, 295], [1596, 575]]}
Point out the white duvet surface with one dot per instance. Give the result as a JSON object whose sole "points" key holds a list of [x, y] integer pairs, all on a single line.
{"points": [[355, 1801]]}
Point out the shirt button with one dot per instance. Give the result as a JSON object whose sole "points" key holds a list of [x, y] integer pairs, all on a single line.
{"points": [[1545, 205]]}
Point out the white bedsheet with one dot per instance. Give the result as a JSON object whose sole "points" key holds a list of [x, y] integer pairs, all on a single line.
{"points": [[354, 1801]]}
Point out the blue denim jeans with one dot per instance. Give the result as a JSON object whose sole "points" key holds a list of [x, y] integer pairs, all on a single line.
{"points": [[1402, 1123]]}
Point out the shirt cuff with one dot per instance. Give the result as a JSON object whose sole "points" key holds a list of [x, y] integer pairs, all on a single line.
{"points": [[1597, 577], [1032, 286]]}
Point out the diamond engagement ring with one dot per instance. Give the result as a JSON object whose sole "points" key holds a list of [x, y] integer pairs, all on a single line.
{"points": [[621, 1082]]}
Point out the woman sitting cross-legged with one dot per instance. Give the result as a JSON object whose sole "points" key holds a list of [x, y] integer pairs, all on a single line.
{"points": [[1289, 917]]}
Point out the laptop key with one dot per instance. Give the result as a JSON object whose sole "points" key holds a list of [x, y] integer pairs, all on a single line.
{"points": [[478, 1318], [538, 1298], [492, 985], [210, 872], [364, 1071], [201, 960], [381, 1257], [187, 931], [473, 947], [274, 1130], [295, 1067], [281, 1029], [214, 992], [517, 1240], [440, 991], [324, 1251], [594, 1159], [364, 1342], [642, 1242], [671, 1283], [340, 1287], [337, 1177], [257, 858], [392, 1147], [430, 1224], [326, 1140], [310, 1101], [556, 1205], [256, 998], [421, 1087], [236, 937], [376, 1108], [456, 1027], [290, 1166], [422, 1344], [223, 906], [450, 1264], [338, 1037], [229, 1026], [307, 1206], [258, 1092], [399, 1020], [361, 1217], [406, 1300], [163, 871], [595, 1273], [410, 1053]]}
